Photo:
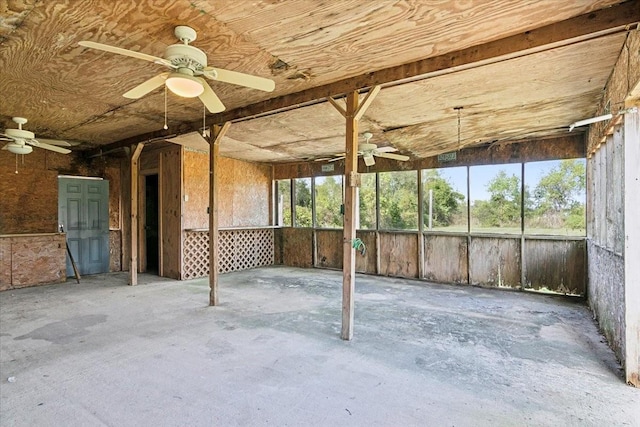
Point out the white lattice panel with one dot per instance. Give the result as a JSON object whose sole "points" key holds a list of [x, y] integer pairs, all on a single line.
{"points": [[237, 250]]}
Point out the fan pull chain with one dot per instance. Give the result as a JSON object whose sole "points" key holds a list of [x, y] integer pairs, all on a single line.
{"points": [[16, 163], [165, 127], [458, 108]]}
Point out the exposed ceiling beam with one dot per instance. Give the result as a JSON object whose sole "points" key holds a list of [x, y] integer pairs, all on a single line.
{"points": [[622, 17]]}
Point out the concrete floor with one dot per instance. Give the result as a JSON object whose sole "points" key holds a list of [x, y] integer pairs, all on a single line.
{"points": [[106, 354]]}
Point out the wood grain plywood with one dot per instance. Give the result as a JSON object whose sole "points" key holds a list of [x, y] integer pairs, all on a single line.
{"points": [[557, 266], [367, 263], [38, 260], [196, 188], [171, 211], [252, 189], [499, 100], [333, 40], [5, 263], [399, 254], [297, 248], [494, 262], [446, 259], [329, 248]]}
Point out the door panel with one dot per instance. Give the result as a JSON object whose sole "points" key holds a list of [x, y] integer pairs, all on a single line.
{"points": [[83, 210]]}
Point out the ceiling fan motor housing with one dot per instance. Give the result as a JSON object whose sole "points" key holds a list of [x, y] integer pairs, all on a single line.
{"points": [[19, 134], [185, 56]]}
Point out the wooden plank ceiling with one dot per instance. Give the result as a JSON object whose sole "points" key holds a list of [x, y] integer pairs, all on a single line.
{"points": [[307, 47]]}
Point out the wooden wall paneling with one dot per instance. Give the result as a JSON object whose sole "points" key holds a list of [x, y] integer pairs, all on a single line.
{"points": [[171, 213], [134, 170], [115, 250], [446, 259], [399, 254], [125, 181], [618, 193], [632, 247], [38, 260], [297, 250], [196, 189], [367, 263], [278, 246], [251, 183], [329, 248], [602, 199], [613, 186], [495, 262], [5, 263], [556, 265]]}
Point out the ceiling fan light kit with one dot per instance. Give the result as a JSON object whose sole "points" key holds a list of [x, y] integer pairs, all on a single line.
{"points": [[184, 85], [188, 64], [21, 141], [19, 149]]}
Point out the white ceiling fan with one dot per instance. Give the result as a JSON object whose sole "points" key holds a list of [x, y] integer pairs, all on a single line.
{"points": [[22, 141], [187, 64], [368, 151]]}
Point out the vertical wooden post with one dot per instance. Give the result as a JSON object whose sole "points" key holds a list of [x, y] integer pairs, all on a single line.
{"points": [[632, 247], [349, 231], [133, 253], [421, 225], [214, 152]]}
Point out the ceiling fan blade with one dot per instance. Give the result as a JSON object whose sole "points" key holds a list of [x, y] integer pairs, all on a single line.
{"points": [[335, 159], [147, 86], [39, 144], [210, 99], [386, 149], [369, 160], [57, 142], [400, 157], [240, 79], [120, 51]]}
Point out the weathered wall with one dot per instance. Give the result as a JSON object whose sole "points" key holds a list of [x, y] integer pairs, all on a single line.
{"points": [[445, 259], [609, 286], [29, 199], [398, 254], [170, 180], [297, 247], [495, 262], [31, 260], [244, 191], [606, 294], [329, 248], [556, 265]]}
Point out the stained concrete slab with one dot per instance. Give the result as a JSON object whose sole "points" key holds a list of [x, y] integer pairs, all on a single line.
{"points": [[105, 354]]}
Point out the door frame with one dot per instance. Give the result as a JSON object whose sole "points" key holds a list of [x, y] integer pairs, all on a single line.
{"points": [[142, 220]]}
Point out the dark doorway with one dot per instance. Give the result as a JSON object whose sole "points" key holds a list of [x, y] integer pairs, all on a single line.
{"points": [[151, 223]]}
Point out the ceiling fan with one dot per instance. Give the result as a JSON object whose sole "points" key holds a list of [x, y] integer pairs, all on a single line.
{"points": [[187, 64], [368, 151], [22, 141]]}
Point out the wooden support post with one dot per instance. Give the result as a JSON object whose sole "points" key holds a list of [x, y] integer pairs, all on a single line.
{"points": [[352, 114], [349, 233], [632, 247], [133, 252], [421, 225], [218, 133]]}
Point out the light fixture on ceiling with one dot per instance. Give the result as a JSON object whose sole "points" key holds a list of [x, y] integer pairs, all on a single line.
{"points": [[184, 85], [601, 118], [19, 148], [590, 121]]}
